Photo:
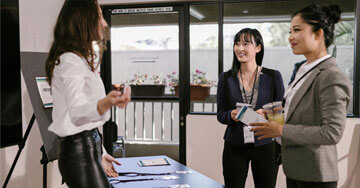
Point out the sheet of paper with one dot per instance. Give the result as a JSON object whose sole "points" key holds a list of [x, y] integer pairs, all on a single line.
{"points": [[154, 162], [45, 92]]}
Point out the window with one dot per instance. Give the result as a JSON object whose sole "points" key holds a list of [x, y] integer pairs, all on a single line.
{"points": [[273, 22], [203, 57]]}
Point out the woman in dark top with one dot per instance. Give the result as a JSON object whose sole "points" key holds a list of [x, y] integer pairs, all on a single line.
{"points": [[247, 82]]}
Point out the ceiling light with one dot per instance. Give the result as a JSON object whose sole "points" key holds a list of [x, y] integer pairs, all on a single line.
{"points": [[256, 19], [196, 14]]}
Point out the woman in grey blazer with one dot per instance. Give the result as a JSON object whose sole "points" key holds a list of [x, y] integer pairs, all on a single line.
{"points": [[315, 103]]}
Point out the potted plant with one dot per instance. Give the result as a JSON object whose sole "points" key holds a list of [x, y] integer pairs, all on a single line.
{"points": [[139, 87], [199, 87], [173, 81]]}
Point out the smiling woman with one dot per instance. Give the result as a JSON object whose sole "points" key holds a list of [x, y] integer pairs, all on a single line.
{"points": [[303, 40], [247, 82], [315, 103]]}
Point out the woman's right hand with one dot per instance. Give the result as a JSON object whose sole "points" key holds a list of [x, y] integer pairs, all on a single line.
{"points": [[114, 98], [124, 99], [233, 115]]}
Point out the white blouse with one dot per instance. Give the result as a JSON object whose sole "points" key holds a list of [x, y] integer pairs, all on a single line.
{"points": [[76, 91]]}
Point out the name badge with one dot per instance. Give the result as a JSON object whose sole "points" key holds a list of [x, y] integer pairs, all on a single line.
{"points": [[248, 135]]}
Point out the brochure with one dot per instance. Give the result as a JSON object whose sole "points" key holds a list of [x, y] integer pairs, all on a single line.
{"points": [[45, 92], [247, 115]]}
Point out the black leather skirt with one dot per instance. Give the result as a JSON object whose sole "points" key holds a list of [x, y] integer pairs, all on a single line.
{"points": [[80, 160]]}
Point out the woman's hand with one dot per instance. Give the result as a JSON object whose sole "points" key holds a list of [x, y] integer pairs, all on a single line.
{"points": [[233, 115], [270, 129], [114, 98], [124, 99], [107, 163], [261, 112]]}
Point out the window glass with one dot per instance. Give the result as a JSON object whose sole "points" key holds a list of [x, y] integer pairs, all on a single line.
{"points": [[144, 50], [146, 47], [203, 57], [273, 22]]}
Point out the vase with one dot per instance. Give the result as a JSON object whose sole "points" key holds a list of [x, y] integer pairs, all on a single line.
{"points": [[147, 90], [197, 92]]}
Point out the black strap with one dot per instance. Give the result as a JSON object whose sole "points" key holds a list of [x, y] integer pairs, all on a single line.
{"points": [[297, 81], [117, 181], [253, 88], [134, 174], [266, 71]]}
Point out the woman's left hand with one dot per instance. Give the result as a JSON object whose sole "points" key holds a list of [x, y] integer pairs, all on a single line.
{"points": [[261, 112], [269, 129], [108, 165]]}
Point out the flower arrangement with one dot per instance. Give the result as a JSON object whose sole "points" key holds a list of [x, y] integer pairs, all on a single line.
{"points": [[142, 86], [199, 78], [158, 80], [140, 79], [173, 81]]}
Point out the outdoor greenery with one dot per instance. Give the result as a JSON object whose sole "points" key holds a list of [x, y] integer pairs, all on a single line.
{"points": [[280, 34]]}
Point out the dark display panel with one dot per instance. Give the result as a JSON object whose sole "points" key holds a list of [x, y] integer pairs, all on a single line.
{"points": [[11, 116]]}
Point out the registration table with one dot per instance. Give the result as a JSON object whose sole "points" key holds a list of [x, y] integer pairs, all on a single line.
{"points": [[174, 175]]}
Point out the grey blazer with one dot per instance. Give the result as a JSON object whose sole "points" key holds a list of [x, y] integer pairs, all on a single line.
{"points": [[315, 124]]}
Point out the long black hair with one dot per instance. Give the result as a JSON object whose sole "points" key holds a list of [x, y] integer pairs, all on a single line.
{"points": [[248, 35], [321, 17]]}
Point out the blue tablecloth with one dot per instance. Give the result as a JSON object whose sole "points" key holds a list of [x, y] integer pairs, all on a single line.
{"points": [[193, 180]]}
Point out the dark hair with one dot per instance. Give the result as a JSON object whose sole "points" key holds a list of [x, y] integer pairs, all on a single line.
{"points": [[77, 26], [324, 17], [251, 36]]}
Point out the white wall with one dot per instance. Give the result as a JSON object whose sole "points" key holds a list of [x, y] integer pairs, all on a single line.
{"points": [[204, 151], [37, 19]]}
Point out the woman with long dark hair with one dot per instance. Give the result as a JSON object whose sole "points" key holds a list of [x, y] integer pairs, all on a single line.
{"points": [[80, 102], [315, 105], [247, 82]]}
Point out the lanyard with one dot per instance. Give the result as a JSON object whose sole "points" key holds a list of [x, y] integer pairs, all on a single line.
{"points": [[297, 81], [253, 88], [134, 174], [117, 181]]}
